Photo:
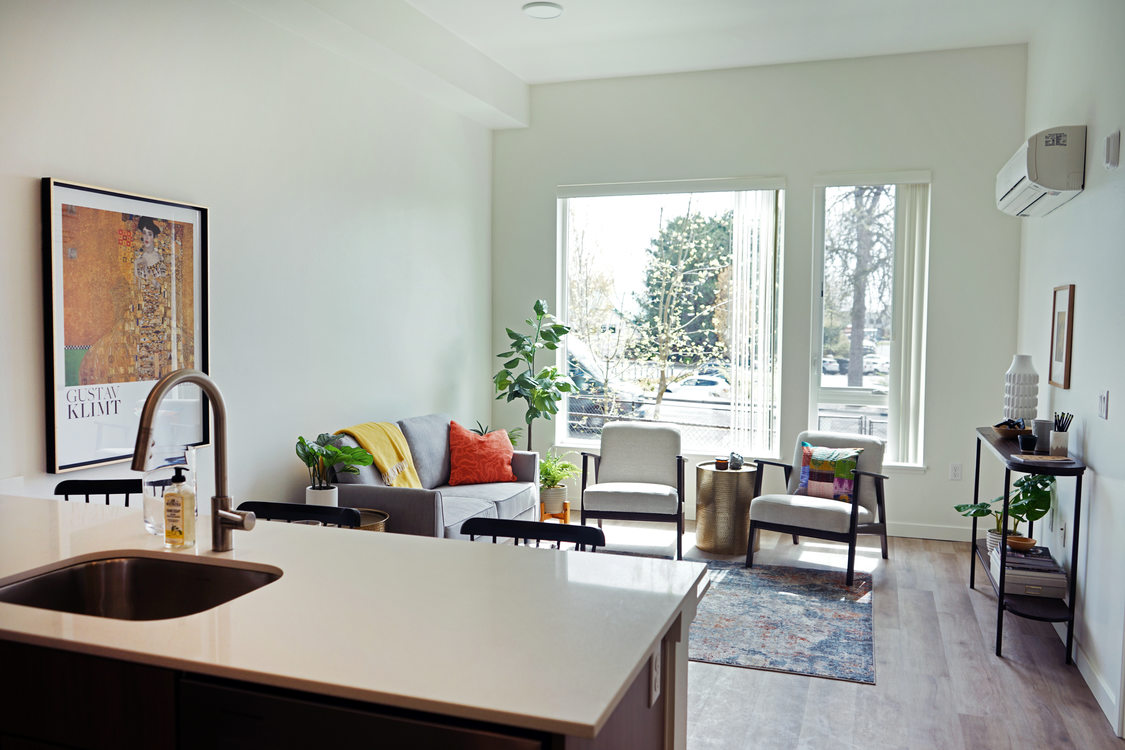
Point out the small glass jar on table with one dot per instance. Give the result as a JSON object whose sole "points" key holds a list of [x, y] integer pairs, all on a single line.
{"points": [[722, 508]]}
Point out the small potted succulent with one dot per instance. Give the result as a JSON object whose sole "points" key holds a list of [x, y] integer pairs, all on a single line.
{"points": [[319, 457], [553, 471], [1030, 500]]}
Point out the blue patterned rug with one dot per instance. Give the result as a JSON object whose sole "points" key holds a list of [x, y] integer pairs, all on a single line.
{"points": [[786, 619]]}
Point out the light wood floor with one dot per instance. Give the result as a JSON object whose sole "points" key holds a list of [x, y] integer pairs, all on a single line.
{"points": [[939, 683]]}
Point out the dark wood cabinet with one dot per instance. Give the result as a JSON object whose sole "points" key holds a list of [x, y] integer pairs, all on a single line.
{"points": [[58, 698], [53, 699]]}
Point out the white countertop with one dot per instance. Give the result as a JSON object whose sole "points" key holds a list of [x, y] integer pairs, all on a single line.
{"points": [[534, 638]]}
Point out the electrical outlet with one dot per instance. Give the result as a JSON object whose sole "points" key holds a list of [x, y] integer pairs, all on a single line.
{"points": [[1103, 404], [955, 472], [654, 677]]}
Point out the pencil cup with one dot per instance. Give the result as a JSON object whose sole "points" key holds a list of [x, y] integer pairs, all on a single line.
{"points": [[1059, 441]]}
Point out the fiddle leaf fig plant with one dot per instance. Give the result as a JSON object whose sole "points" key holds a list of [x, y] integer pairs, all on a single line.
{"points": [[1030, 500], [323, 453], [518, 380]]}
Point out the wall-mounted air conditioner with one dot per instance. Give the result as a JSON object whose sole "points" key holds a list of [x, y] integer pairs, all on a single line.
{"points": [[1044, 173]]}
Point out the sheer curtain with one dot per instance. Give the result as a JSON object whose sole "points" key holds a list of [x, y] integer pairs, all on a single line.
{"points": [[908, 337], [754, 322]]}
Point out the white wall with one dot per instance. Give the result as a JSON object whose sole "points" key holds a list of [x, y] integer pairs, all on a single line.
{"points": [[349, 219], [1075, 66], [957, 114]]}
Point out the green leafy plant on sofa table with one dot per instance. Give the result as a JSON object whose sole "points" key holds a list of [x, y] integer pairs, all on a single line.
{"points": [[517, 379], [322, 454], [1030, 500]]}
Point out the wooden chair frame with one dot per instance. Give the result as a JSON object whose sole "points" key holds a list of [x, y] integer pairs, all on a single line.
{"points": [[580, 536], [848, 537], [622, 515]]}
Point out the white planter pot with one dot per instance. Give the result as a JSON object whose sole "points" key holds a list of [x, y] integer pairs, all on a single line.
{"points": [[552, 499], [321, 497], [992, 540]]}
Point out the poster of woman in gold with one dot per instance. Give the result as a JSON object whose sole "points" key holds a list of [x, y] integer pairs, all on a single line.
{"points": [[127, 300]]}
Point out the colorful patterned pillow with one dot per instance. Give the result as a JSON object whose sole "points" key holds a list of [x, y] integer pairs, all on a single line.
{"points": [[478, 459], [827, 472]]}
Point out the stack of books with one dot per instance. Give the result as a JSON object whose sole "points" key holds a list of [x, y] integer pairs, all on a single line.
{"points": [[1030, 573]]}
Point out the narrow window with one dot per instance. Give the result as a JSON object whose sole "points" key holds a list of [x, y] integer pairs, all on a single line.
{"points": [[869, 317]]}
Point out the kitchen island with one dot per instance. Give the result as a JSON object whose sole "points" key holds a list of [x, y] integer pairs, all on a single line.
{"points": [[535, 646]]}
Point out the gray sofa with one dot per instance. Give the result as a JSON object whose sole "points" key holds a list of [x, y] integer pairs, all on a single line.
{"points": [[439, 509]]}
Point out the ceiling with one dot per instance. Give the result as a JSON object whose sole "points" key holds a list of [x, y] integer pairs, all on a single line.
{"points": [[610, 38]]}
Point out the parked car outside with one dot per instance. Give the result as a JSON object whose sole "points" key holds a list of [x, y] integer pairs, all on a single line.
{"points": [[699, 388], [875, 365], [829, 366]]}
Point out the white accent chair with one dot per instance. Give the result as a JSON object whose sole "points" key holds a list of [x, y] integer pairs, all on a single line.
{"points": [[802, 515], [639, 476]]}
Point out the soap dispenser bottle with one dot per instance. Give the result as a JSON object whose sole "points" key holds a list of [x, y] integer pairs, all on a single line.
{"points": [[179, 512]]}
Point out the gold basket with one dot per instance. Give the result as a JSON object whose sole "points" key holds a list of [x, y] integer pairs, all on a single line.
{"points": [[373, 520]]}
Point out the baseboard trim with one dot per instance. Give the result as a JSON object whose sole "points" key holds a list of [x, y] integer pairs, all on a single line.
{"points": [[929, 531], [1102, 692]]}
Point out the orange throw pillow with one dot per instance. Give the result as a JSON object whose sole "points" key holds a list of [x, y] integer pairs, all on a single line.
{"points": [[478, 459]]}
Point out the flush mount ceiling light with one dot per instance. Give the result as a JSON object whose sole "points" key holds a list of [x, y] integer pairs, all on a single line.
{"points": [[543, 10]]}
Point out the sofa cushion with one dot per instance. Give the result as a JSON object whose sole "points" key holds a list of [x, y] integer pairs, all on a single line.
{"points": [[512, 499], [457, 510], [367, 474], [479, 459], [428, 438]]}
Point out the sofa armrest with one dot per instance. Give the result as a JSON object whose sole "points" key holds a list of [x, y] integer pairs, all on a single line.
{"points": [[525, 465], [412, 511]]}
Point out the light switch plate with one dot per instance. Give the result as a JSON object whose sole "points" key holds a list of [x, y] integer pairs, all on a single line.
{"points": [[1103, 404], [1113, 150]]}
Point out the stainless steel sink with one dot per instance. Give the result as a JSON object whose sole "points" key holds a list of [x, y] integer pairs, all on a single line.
{"points": [[137, 585]]}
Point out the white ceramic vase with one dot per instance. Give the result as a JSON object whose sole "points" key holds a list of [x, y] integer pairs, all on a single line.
{"points": [[1021, 390], [321, 497]]}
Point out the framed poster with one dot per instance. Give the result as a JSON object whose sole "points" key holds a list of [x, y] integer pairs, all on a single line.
{"points": [[1062, 327], [124, 303]]}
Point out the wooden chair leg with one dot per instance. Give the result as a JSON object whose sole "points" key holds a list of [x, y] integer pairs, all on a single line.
{"points": [[851, 561], [750, 548], [680, 537], [796, 539], [884, 536]]}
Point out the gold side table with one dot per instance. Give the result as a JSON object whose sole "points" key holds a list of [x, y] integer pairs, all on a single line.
{"points": [[722, 508]]}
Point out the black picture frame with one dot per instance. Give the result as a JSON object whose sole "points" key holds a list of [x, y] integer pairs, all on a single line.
{"points": [[125, 301]]}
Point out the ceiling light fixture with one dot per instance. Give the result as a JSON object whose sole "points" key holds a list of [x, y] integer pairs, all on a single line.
{"points": [[543, 10]]}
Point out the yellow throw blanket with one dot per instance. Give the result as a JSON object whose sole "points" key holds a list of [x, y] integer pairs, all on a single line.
{"points": [[387, 445]]}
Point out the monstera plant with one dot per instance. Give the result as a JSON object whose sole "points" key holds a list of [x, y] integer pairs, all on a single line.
{"points": [[518, 379]]}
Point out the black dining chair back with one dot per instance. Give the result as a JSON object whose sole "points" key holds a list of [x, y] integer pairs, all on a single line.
{"points": [[326, 515], [99, 487], [579, 536]]}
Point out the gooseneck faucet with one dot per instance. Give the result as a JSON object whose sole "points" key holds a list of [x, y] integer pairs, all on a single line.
{"points": [[223, 519]]}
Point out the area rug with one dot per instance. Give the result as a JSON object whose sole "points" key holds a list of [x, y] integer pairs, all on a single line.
{"points": [[785, 619]]}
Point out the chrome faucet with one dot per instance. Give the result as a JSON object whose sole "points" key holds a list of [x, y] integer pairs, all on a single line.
{"points": [[223, 519]]}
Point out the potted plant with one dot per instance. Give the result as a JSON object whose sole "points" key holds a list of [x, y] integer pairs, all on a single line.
{"points": [[1030, 500], [319, 457], [513, 434], [553, 471], [543, 390]]}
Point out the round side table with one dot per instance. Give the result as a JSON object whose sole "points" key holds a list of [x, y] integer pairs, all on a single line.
{"points": [[722, 508]]}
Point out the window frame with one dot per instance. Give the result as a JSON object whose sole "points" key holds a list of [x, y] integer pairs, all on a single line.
{"points": [[563, 193], [865, 396]]}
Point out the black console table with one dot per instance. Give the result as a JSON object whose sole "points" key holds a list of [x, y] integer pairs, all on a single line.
{"points": [[1047, 609]]}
